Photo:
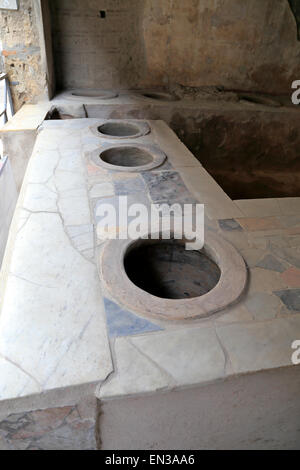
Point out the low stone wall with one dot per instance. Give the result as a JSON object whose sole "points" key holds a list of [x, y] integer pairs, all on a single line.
{"points": [[8, 199], [249, 45], [250, 150], [61, 428]]}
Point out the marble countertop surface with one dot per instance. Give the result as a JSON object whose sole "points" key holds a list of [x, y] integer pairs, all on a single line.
{"points": [[131, 97], [54, 332], [2, 164]]}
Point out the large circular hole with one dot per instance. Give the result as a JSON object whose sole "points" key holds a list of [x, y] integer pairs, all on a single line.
{"points": [[100, 94], [160, 96], [167, 270], [127, 156], [259, 99], [119, 129]]}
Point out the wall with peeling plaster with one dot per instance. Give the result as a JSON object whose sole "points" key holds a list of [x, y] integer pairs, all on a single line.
{"points": [[248, 45], [22, 53]]}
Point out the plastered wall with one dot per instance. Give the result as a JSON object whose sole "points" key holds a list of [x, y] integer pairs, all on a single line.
{"points": [[247, 45], [91, 51], [254, 412]]}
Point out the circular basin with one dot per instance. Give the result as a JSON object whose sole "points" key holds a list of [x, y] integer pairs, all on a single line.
{"points": [[93, 93], [117, 129], [129, 157], [158, 96], [167, 270], [252, 98], [159, 279], [126, 156]]}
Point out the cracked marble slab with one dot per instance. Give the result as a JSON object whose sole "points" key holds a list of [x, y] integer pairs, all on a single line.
{"points": [[52, 324], [53, 327], [135, 373], [260, 346]]}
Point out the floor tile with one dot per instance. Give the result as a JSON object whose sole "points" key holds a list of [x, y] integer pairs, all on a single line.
{"points": [[292, 277], [290, 298], [259, 207], [262, 306], [261, 345], [189, 357], [271, 263], [257, 224], [124, 323], [230, 225]]}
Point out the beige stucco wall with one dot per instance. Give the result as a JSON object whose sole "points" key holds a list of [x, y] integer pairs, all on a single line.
{"points": [[252, 412], [248, 45]]}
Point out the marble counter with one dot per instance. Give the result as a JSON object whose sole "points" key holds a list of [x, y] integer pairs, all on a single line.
{"points": [[8, 200], [56, 332]]}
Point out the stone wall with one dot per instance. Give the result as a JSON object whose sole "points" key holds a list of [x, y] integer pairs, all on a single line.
{"points": [[8, 200], [91, 51], [51, 429], [253, 412], [22, 52], [51, 421], [248, 45]]}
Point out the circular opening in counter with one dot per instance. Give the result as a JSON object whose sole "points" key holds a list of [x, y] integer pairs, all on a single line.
{"points": [[259, 99], [123, 129], [126, 156], [167, 270], [160, 279], [99, 94], [160, 96]]}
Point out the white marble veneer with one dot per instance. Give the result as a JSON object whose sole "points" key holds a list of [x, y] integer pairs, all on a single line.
{"points": [[53, 331], [52, 325], [8, 200]]}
